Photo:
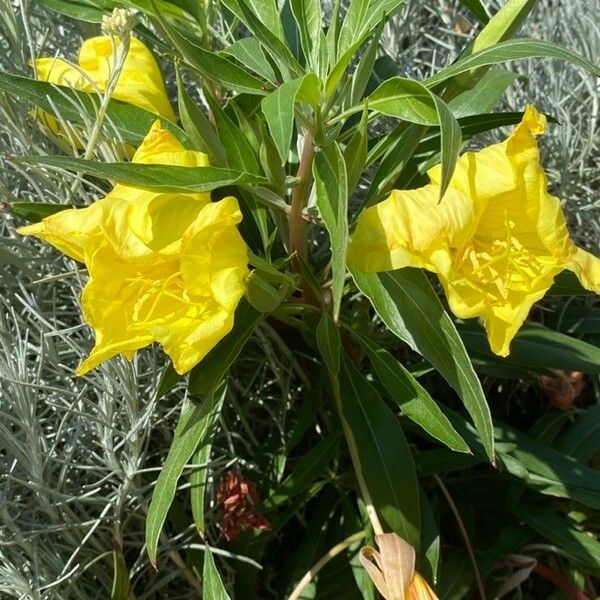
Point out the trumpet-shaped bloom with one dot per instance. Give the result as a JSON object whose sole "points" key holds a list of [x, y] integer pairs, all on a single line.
{"points": [[496, 240], [392, 569], [163, 267], [140, 82]]}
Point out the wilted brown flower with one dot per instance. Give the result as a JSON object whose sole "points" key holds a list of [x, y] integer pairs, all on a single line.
{"points": [[237, 498], [563, 389]]}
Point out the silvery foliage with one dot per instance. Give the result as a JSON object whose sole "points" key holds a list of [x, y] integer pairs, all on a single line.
{"points": [[79, 455]]}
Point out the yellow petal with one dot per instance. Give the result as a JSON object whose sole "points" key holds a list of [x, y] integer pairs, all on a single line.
{"points": [[587, 267], [411, 228], [140, 82], [60, 72], [214, 256], [498, 244], [420, 590], [163, 267], [69, 230], [161, 147]]}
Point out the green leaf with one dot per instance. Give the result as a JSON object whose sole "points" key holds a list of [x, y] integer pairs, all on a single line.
{"points": [[404, 99], [329, 343], [568, 284], [80, 10], [207, 375], [212, 588], [264, 11], [412, 398], [36, 211], [547, 470], [278, 108], [262, 295], [503, 24], [508, 51], [384, 458], [240, 154], [407, 304], [355, 153], [307, 14], [411, 101], [163, 178], [582, 439], [329, 170], [264, 28], [307, 470], [477, 8], [535, 347], [582, 548], [364, 69], [131, 122], [215, 67], [199, 477], [430, 541], [362, 17], [399, 147], [484, 95], [248, 51], [197, 126], [120, 586], [193, 428]]}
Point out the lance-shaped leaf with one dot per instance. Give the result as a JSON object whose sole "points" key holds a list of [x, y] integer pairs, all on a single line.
{"points": [[329, 170], [132, 122], [508, 51], [412, 398], [215, 67], [279, 106], [262, 19], [240, 154], [409, 307], [411, 101], [307, 14], [382, 455], [198, 127], [362, 17], [164, 178], [213, 587], [193, 428]]}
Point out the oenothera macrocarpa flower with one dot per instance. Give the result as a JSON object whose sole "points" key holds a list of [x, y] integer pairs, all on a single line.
{"points": [[163, 267], [496, 240], [140, 82], [392, 569]]}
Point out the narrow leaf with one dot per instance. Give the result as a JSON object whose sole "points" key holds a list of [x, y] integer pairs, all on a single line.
{"points": [[412, 398], [278, 108], [408, 305], [198, 127], [215, 67], [383, 455], [192, 429], [508, 51], [164, 178], [329, 343], [329, 170], [213, 588], [132, 122]]}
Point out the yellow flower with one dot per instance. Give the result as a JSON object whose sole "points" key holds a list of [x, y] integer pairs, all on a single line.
{"points": [[140, 82], [163, 267], [392, 569], [496, 240]]}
